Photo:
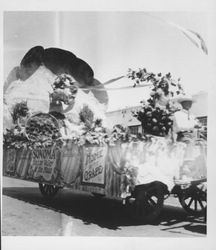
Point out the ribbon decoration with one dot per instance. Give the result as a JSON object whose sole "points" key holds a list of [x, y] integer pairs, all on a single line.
{"points": [[118, 88], [193, 36], [113, 80]]}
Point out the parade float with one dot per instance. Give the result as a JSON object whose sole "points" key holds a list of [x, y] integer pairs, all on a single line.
{"points": [[68, 145]]}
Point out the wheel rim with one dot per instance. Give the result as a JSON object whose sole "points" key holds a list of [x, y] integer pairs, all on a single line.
{"points": [[194, 201]]}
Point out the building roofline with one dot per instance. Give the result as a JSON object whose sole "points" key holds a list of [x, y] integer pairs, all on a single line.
{"points": [[201, 92], [122, 109]]}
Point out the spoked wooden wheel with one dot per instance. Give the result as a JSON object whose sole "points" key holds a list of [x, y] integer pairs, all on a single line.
{"points": [[194, 201], [47, 190], [147, 205], [98, 196]]}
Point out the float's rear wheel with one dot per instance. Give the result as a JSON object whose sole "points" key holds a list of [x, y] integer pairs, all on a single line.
{"points": [[148, 203]]}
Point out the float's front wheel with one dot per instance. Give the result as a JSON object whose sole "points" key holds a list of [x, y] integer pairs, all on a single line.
{"points": [[47, 190], [98, 196], [194, 201]]}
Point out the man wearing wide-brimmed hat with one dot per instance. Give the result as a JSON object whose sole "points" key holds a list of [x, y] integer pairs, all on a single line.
{"points": [[184, 125], [184, 122]]}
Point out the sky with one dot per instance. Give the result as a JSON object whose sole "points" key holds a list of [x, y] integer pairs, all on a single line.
{"points": [[112, 42]]}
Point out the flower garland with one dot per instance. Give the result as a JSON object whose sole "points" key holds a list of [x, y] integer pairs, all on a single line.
{"points": [[17, 138], [42, 127], [155, 114], [40, 130], [87, 117], [64, 89], [43, 130], [95, 134]]}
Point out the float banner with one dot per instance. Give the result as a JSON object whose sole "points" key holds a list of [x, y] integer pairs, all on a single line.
{"points": [[93, 165], [42, 164], [9, 165]]}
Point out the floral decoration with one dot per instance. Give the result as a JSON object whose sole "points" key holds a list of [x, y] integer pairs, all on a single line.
{"points": [[155, 114], [64, 89], [20, 110]]}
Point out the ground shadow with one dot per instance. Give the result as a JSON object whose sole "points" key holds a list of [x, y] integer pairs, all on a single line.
{"points": [[174, 218], [104, 212]]}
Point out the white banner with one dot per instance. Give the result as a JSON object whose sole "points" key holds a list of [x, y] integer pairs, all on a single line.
{"points": [[94, 165], [42, 164]]}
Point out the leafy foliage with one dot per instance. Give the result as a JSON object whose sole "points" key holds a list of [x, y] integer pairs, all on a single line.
{"points": [[155, 114], [166, 83], [41, 130], [155, 121], [42, 127], [87, 116], [15, 138], [64, 89]]}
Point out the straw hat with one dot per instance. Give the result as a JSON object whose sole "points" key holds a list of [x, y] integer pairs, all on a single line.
{"points": [[183, 98]]}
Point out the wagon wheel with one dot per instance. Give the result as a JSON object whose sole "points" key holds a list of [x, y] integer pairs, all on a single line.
{"points": [[147, 205], [194, 201], [47, 190], [97, 195]]}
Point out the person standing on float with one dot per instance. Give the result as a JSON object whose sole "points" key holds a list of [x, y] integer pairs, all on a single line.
{"points": [[184, 122], [184, 131]]}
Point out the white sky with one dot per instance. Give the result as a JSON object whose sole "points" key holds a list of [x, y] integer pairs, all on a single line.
{"points": [[111, 42]]}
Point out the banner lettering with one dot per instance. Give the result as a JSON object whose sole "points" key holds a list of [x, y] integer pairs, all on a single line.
{"points": [[94, 165]]}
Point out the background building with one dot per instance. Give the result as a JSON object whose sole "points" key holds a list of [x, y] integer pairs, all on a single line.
{"points": [[125, 116], [200, 109]]}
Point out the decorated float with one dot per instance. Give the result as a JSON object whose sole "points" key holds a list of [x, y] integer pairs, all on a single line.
{"points": [[70, 146]]}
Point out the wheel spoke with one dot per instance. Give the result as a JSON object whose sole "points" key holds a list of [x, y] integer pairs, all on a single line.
{"points": [[201, 204], [195, 204], [45, 188], [191, 200], [48, 189], [203, 196], [152, 201], [52, 189]]}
